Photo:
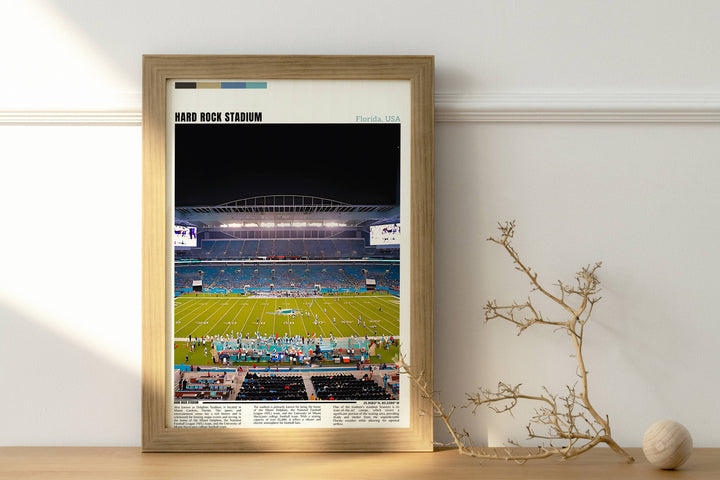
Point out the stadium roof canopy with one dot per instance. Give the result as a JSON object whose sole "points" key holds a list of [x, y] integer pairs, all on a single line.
{"points": [[285, 207]]}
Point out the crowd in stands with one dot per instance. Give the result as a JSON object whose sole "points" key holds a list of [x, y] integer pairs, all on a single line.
{"points": [[286, 276], [312, 248], [272, 387], [213, 387], [347, 387], [234, 278]]}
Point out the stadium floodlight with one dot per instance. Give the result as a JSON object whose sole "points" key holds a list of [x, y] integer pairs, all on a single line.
{"points": [[299, 224], [331, 224], [284, 224], [231, 225], [267, 224], [315, 224], [251, 224]]}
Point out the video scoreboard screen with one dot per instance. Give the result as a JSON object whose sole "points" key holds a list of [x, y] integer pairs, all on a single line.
{"points": [[388, 234], [184, 236]]}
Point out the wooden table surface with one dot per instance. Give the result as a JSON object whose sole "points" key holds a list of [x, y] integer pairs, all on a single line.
{"points": [[129, 463]]}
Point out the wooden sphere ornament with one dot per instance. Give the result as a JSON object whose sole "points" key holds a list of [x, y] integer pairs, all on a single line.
{"points": [[667, 444]]}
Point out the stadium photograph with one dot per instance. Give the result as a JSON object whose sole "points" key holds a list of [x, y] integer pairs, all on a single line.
{"points": [[286, 262]]}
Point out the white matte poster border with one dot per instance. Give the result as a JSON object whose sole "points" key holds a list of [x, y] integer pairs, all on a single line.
{"points": [[239, 124]]}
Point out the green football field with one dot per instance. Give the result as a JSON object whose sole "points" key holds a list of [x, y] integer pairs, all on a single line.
{"points": [[229, 315]]}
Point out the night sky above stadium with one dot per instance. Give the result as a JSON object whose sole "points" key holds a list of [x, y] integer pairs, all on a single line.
{"points": [[355, 163]]}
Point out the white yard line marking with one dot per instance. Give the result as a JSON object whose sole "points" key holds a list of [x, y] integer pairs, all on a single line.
{"points": [[274, 329], [208, 320], [392, 302], [381, 315], [341, 317], [199, 303], [196, 306], [262, 316], [253, 316], [247, 318], [234, 317], [302, 309], [177, 332], [355, 317], [316, 305]]}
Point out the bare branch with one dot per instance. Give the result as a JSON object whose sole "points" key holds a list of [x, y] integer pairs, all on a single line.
{"points": [[568, 419], [571, 417]]}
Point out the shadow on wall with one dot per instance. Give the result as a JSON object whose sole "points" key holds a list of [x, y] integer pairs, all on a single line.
{"points": [[58, 393]]}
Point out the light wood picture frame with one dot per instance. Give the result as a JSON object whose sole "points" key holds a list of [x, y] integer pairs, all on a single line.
{"points": [[160, 74]]}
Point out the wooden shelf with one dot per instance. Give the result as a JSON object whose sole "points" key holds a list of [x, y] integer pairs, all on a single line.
{"points": [[446, 464]]}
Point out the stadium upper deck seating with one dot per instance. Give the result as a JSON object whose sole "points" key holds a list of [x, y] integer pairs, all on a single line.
{"points": [[312, 248], [296, 247], [249, 249]]}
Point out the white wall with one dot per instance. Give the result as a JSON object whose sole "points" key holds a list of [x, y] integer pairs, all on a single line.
{"points": [[594, 124]]}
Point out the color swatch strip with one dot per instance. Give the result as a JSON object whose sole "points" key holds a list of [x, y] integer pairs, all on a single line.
{"points": [[224, 85]]}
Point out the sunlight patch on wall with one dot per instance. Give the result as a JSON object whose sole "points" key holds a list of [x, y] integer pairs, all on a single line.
{"points": [[71, 234], [50, 64]]}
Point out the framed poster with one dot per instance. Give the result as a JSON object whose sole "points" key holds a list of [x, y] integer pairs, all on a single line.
{"points": [[287, 252]]}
